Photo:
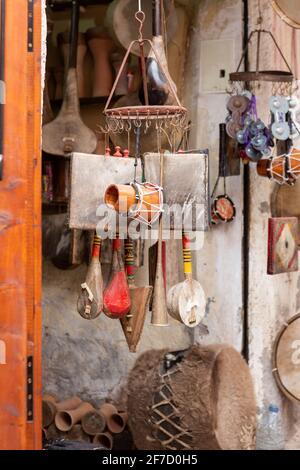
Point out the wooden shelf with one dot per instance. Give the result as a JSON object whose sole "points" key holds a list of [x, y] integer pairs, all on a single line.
{"points": [[88, 101], [65, 5]]}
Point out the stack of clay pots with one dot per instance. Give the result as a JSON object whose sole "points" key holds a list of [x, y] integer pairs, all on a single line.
{"points": [[97, 56], [76, 420]]}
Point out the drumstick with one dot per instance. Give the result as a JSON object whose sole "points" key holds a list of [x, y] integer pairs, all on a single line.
{"points": [[90, 300], [159, 306], [116, 297]]}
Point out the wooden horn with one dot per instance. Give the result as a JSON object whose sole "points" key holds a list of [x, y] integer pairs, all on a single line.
{"points": [[159, 306]]}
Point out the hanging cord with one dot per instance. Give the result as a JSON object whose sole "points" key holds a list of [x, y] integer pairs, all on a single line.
{"points": [[260, 19]]}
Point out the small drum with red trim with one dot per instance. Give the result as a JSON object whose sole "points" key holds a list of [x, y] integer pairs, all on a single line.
{"points": [[286, 359], [293, 163], [223, 210], [283, 169]]}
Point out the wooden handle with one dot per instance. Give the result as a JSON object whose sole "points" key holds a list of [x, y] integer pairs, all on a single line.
{"points": [[96, 246], [156, 23], [129, 261], [74, 34], [187, 255]]}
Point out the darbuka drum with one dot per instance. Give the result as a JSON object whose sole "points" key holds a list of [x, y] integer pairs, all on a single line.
{"points": [[284, 169], [198, 399], [293, 163], [289, 11], [223, 210], [286, 359], [140, 201]]}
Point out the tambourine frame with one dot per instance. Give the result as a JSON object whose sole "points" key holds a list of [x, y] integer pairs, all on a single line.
{"points": [[275, 371], [217, 213]]}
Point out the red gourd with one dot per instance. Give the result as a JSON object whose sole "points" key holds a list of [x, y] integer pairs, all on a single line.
{"points": [[116, 297]]}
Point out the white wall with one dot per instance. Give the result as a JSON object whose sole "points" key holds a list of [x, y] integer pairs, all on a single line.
{"points": [[219, 263]]}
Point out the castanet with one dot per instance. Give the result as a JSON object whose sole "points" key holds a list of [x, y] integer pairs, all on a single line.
{"points": [[67, 133], [186, 300], [116, 298], [101, 46], [90, 300], [133, 322]]}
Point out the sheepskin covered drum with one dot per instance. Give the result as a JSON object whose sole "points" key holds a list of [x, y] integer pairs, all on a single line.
{"points": [[198, 399]]}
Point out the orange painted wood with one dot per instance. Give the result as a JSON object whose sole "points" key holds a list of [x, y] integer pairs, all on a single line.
{"points": [[20, 232]]}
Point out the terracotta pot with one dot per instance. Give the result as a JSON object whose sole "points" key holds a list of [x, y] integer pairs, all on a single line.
{"points": [[65, 420], [68, 404], [101, 47], [115, 421], [48, 412], [104, 439], [93, 422], [64, 46], [77, 434]]}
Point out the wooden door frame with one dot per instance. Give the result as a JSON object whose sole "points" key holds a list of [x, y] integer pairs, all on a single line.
{"points": [[20, 230]]}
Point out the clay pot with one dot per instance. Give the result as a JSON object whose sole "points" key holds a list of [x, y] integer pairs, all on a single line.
{"points": [[68, 404], [77, 434], [64, 46], [93, 422], [101, 47], [104, 439], [115, 421], [65, 420], [48, 411]]}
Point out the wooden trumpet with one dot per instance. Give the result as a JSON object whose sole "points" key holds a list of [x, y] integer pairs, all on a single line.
{"points": [[159, 306]]}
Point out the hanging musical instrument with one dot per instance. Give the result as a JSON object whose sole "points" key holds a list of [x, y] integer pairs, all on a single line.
{"points": [[139, 201], [223, 209], [283, 169], [121, 28], [186, 301], [90, 300], [116, 298], [67, 133], [133, 322], [159, 315], [286, 359]]}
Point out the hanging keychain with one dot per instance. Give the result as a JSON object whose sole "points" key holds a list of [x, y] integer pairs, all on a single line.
{"points": [[223, 208]]}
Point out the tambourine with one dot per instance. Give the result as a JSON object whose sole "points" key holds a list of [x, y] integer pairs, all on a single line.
{"points": [[223, 210], [286, 359]]}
